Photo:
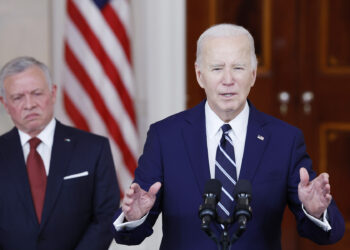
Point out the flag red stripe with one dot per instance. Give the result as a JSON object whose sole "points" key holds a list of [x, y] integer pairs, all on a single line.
{"points": [[74, 114], [102, 56], [116, 25], [99, 104]]}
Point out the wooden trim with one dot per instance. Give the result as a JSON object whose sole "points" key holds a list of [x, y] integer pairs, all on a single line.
{"points": [[266, 40], [212, 12], [324, 36], [323, 140], [324, 128]]}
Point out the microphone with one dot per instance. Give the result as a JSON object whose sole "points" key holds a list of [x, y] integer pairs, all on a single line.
{"points": [[211, 196], [243, 195]]}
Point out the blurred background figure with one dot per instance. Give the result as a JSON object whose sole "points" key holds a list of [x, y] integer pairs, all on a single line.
{"points": [[58, 184]]}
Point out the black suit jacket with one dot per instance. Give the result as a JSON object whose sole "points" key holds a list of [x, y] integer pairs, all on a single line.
{"points": [[77, 212]]}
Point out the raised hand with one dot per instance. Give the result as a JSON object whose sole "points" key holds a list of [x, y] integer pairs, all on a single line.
{"points": [[137, 202], [316, 194]]}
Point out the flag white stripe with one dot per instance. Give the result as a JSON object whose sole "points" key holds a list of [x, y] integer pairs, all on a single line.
{"points": [[83, 103], [123, 9], [124, 176]]}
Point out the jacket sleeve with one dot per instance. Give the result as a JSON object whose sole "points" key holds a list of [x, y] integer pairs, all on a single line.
{"points": [[148, 172], [307, 228]]}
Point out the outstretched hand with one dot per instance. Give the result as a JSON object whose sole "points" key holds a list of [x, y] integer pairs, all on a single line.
{"points": [[137, 202], [316, 194]]}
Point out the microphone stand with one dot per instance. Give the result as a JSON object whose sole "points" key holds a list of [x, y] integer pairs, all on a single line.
{"points": [[242, 212], [225, 242]]}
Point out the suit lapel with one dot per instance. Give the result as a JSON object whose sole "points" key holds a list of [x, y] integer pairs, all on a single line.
{"points": [[194, 134], [61, 152], [256, 141], [16, 165]]}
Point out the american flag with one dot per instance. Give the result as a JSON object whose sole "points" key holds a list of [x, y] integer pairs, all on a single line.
{"points": [[98, 85]]}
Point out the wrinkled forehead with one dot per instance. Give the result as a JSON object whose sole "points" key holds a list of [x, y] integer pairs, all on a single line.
{"points": [[236, 47], [232, 40]]}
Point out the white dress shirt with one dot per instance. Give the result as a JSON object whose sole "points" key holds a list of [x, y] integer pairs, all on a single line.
{"points": [[238, 134], [44, 148]]}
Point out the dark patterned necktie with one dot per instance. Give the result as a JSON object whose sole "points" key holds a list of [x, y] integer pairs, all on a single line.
{"points": [[225, 172], [37, 177]]}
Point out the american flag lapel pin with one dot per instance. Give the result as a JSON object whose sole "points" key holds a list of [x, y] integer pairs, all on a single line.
{"points": [[260, 137]]}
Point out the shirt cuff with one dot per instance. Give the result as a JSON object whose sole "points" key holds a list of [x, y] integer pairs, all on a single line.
{"points": [[129, 225], [322, 223]]}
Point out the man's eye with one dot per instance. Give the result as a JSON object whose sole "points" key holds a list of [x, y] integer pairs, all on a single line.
{"points": [[216, 69], [16, 98]]}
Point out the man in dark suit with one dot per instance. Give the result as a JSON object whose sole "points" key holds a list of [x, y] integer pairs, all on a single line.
{"points": [[58, 185], [185, 150]]}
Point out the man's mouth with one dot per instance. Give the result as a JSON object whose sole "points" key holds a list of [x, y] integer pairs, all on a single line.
{"points": [[227, 94], [31, 116]]}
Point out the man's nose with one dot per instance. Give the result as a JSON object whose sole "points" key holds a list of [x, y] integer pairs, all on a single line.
{"points": [[228, 77], [29, 102]]}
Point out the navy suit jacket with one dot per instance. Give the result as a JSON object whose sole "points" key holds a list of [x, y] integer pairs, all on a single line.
{"points": [[175, 153], [77, 212]]}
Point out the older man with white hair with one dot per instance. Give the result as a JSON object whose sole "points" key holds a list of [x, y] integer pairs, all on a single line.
{"points": [[58, 186], [225, 137]]}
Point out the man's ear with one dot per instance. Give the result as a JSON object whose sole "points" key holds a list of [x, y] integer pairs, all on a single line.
{"points": [[54, 92], [3, 101], [253, 77], [198, 74]]}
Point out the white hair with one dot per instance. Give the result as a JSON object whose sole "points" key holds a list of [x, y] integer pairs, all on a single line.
{"points": [[19, 65], [226, 30]]}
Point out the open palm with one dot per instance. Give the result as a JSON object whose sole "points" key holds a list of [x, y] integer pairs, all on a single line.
{"points": [[137, 202], [314, 195]]}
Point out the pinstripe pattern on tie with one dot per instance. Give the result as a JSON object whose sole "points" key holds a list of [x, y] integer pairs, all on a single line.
{"points": [[225, 172]]}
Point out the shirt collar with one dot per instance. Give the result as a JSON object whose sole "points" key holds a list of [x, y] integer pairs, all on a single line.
{"points": [[238, 124], [46, 136]]}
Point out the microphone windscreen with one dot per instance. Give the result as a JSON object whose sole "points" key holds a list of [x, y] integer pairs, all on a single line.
{"points": [[213, 186], [243, 186]]}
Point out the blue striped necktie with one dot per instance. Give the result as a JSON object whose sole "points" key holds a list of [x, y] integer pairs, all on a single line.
{"points": [[225, 172]]}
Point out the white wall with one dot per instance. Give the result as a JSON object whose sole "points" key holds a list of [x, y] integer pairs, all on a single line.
{"points": [[35, 28], [24, 30]]}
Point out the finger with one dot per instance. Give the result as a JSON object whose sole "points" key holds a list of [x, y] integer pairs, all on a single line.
{"points": [[153, 190], [129, 192], [304, 177], [326, 189], [325, 178], [321, 181], [126, 209], [130, 195], [136, 187], [329, 198], [128, 201]]}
